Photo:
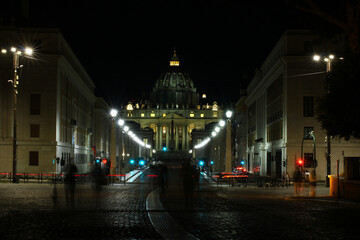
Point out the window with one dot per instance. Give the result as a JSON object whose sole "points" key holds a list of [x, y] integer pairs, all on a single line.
{"points": [[35, 100], [175, 63], [129, 107], [352, 168], [33, 158], [215, 107], [35, 130], [308, 105], [307, 131]]}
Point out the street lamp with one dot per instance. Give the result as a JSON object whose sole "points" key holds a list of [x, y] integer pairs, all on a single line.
{"points": [[113, 113], [228, 155], [328, 60], [14, 83], [228, 114]]}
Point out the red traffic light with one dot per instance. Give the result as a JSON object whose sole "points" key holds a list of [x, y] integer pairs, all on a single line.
{"points": [[104, 161], [300, 162]]}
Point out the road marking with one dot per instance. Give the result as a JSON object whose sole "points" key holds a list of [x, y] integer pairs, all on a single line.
{"points": [[163, 223]]}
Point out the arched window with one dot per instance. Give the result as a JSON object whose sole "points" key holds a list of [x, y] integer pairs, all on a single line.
{"points": [[129, 107]]}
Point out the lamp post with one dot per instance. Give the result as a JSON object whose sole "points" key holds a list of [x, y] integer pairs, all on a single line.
{"points": [[14, 83], [228, 153], [113, 114], [328, 60]]}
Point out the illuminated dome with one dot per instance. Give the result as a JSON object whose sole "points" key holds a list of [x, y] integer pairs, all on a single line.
{"points": [[175, 87]]}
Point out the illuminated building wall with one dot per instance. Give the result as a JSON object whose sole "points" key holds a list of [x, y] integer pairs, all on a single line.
{"points": [[281, 101], [55, 105]]}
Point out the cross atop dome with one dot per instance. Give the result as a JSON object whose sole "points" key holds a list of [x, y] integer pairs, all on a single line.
{"points": [[174, 60]]}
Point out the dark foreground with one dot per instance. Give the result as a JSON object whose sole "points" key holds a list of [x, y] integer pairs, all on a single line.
{"points": [[28, 211]]}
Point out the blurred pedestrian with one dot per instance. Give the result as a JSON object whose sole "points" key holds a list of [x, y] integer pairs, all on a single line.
{"points": [[297, 179], [313, 183], [196, 177], [69, 182], [54, 194], [163, 177], [98, 180], [188, 184], [287, 180]]}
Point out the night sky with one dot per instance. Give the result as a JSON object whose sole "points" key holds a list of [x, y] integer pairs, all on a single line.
{"points": [[126, 45]]}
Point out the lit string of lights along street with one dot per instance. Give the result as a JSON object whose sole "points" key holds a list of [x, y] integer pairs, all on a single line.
{"points": [[216, 130], [126, 129]]}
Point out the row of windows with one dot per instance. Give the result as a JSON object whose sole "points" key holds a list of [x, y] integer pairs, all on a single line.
{"points": [[202, 115], [214, 107]]}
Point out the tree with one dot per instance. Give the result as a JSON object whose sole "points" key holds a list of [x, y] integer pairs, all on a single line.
{"points": [[345, 15], [338, 110]]}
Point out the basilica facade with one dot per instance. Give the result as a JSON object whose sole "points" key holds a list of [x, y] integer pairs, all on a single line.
{"points": [[174, 110]]}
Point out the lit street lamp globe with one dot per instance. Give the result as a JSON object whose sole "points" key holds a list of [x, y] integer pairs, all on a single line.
{"points": [[228, 114]]}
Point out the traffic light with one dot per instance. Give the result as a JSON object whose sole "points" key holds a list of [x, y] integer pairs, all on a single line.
{"points": [[300, 162], [142, 162], [132, 161], [242, 162]]}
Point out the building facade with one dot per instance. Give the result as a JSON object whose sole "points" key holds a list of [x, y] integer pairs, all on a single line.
{"points": [[280, 103], [55, 104]]}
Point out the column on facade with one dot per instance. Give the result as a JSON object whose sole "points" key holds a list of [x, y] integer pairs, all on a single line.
{"points": [[177, 137], [183, 137], [160, 136], [113, 147], [167, 136], [157, 129], [186, 137]]}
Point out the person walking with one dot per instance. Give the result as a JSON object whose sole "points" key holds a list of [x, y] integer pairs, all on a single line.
{"points": [[98, 180], [163, 177], [69, 181], [297, 181], [188, 184], [312, 184]]}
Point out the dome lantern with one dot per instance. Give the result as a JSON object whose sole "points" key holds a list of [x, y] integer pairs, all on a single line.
{"points": [[174, 60]]}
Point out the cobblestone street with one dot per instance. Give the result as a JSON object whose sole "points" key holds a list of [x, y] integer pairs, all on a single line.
{"points": [[223, 212], [27, 211]]}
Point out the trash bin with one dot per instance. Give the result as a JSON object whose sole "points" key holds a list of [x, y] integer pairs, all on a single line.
{"points": [[333, 186]]}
